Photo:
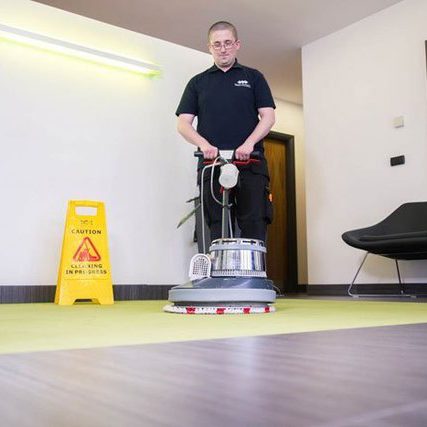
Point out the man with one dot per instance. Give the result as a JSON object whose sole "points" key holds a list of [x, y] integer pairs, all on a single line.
{"points": [[235, 111]]}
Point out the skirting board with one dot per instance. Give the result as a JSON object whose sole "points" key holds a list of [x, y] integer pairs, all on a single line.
{"points": [[33, 293], [375, 288]]}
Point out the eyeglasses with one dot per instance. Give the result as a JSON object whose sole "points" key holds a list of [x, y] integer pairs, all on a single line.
{"points": [[228, 44]]}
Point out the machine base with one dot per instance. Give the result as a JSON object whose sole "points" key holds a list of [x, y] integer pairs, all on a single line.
{"points": [[225, 289], [219, 295]]}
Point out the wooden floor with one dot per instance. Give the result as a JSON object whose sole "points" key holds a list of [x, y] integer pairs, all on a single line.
{"points": [[360, 377]]}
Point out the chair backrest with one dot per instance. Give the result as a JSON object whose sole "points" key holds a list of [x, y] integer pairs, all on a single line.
{"points": [[409, 217]]}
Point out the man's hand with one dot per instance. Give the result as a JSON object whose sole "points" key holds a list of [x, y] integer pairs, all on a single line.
{"points": [[244, 151], [209, 151]]}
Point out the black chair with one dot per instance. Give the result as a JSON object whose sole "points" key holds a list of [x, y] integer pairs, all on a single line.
{"points": [[400, 236]]}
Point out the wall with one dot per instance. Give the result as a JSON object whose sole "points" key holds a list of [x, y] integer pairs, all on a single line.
{"points": [[356, 81], [74, 130]]}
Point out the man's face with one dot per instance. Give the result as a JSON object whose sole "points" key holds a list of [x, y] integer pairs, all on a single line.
{"points": [[223, 47]]}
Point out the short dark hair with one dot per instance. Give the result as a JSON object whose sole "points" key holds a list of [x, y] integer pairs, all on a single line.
{"points": [[223, 25]]}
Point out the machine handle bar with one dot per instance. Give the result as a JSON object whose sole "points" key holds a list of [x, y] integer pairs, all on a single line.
{"points": [[254, 157]]}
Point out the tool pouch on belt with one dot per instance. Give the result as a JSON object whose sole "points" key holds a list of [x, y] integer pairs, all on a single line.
{"points": [[268, 205]]}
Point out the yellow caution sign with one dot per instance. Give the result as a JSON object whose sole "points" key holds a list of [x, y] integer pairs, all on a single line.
{"points": [[84, 271]]}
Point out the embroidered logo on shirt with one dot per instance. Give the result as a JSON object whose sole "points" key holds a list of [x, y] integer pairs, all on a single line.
{"points": [[242, 83]]}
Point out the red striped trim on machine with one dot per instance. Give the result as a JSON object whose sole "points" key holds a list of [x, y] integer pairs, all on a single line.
{"points": [[191, 309]]}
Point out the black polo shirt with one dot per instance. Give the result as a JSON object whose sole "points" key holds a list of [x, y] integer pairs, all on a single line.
{"points": [[226, 104]]}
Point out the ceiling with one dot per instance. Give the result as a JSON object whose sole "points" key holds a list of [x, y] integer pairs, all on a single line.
{"points": [[272, 31]]}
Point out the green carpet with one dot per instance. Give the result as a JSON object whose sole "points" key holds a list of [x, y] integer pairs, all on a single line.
{"points": [[36, 327]]}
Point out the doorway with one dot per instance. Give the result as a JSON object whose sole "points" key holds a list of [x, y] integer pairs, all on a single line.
{"points": [[282, 260]]}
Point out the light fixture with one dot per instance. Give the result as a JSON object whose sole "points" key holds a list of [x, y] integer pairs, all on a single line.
{"points": [[66, 48]]}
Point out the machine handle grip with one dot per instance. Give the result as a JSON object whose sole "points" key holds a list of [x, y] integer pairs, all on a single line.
{"points": [[254, 155]]}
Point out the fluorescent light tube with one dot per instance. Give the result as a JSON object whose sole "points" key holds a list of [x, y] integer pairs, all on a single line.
{"points": [[66, 48]]}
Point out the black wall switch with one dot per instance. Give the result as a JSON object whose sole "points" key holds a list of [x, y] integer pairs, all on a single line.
{"points": [[398, 160]]}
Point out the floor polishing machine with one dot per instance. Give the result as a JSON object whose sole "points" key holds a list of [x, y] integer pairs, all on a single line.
{"points": [[231, 278]]}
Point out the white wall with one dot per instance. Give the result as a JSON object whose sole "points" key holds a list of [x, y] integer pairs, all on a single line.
{"points": [[355, 82], [289, 119], [74, 130]]}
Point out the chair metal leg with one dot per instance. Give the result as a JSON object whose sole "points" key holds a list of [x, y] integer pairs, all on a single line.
{"points": [[400, 279], [401, 283], [357, 273], [402, 288]]}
